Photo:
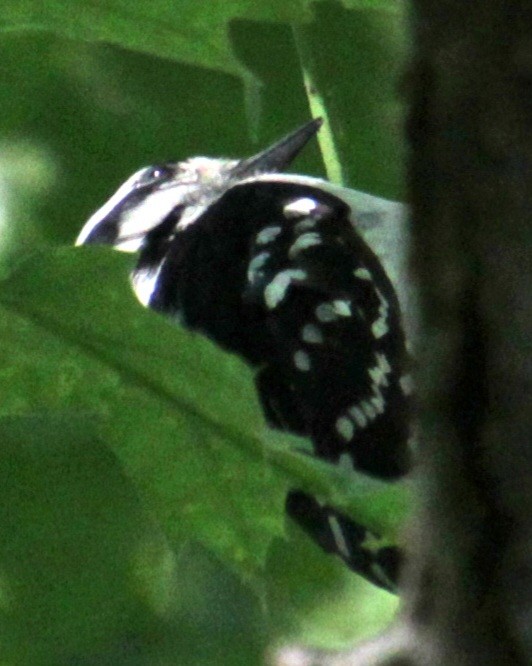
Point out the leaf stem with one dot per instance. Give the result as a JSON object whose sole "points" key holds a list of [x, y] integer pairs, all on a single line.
{"points": [[317, 104]]}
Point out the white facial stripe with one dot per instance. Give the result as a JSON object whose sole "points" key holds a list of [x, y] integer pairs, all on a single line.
{"points": [[149, 212], [95, 219]]}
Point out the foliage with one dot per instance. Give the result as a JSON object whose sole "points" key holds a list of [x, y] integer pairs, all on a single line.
{"points": [[142, 495]]}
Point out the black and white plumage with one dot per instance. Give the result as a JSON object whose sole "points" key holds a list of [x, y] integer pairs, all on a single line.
{"points": [[271, 267]]}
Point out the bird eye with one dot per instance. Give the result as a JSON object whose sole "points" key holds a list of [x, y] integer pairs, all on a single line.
{"points": [[157, 172]]}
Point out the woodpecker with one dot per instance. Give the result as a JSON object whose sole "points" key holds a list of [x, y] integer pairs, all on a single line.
{"points": [[279, 269]]}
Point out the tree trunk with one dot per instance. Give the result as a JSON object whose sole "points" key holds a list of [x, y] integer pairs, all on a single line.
{"points": [[470, 130]]}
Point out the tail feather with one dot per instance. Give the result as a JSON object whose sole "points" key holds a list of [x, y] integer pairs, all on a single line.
{"points": [[362, 551]]}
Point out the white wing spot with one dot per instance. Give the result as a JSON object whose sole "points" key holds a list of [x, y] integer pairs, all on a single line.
{"points": [[383, 362], [311, 334], [407, 384], [305, 225], [276, 290], [359, 416], [267, 235], [378, 402], [345, 461], [345, 428], [378, 376], [303, 242], [300, 207], [369, 410], [342, 308], [256, 264], [302, 360], [362, 274], [326, 312], [339, 538], [380, 325]]}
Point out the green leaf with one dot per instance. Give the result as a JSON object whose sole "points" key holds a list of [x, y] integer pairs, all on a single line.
{"points": [[86, 576], [381, 506], [180, 415], [70, 526], [188, 31], [353, 85]]}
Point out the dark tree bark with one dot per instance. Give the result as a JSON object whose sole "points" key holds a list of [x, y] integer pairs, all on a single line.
{"points": [[468, 586], [470, 130]]}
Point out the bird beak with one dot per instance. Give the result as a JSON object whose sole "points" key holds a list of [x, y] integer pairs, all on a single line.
{"points": [[280, 155]]}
